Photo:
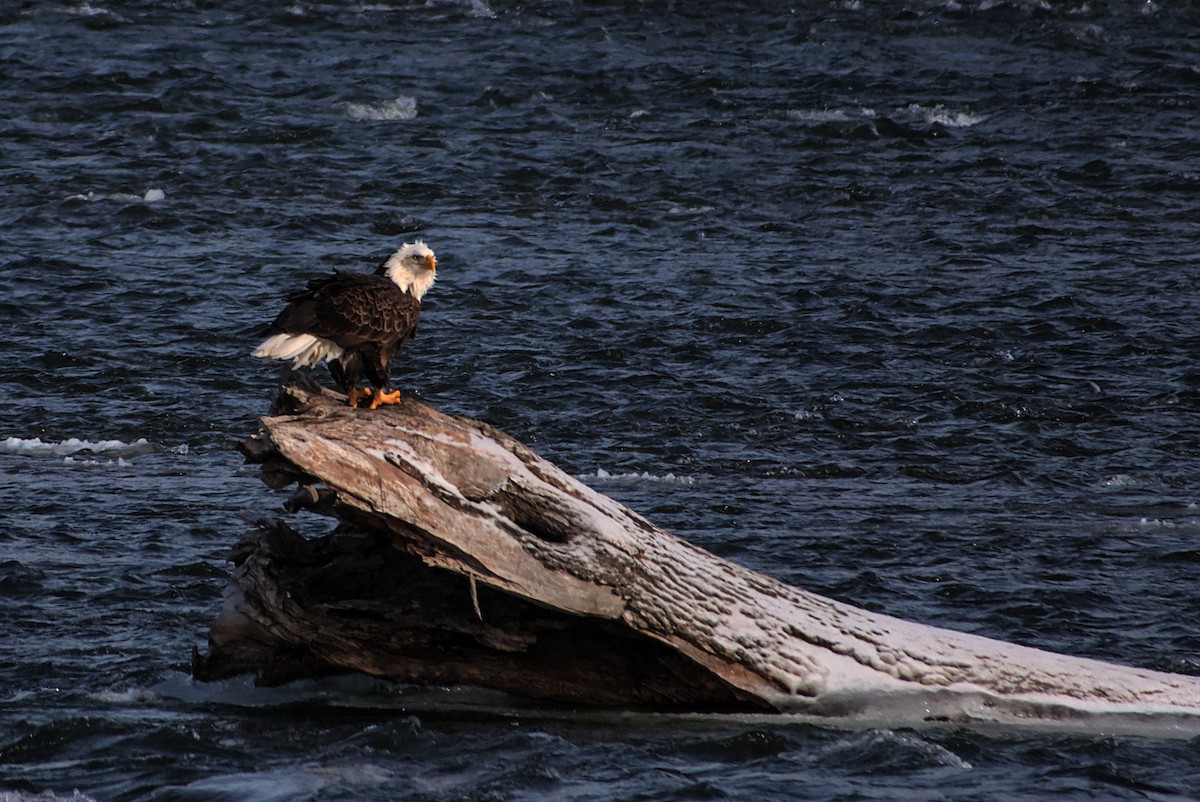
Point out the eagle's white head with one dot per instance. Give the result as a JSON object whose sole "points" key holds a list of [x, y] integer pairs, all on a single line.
{"points": [[413, 268]]}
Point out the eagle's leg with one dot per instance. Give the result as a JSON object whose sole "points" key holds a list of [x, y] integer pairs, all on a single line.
{"points": [[353, 394], [382, 397]]}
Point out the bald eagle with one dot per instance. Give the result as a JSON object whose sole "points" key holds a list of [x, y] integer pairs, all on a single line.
{"points": [[355, 322]]}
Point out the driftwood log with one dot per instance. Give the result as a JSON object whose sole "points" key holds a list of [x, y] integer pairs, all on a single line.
{"points": [[464, 558]]}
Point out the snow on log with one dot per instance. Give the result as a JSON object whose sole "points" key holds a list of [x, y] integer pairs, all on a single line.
{"points": [[464, 558]]}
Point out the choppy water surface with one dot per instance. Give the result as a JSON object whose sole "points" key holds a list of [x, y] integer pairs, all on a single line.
{"points": [[894, 301]]}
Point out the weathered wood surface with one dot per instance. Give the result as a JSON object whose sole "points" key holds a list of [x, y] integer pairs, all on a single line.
{"points": [[469, 559]]}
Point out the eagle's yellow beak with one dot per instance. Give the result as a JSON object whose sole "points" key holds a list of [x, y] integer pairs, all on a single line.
{"points": [[431, 263]]}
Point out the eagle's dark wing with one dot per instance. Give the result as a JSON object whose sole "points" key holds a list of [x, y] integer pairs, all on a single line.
{"points": [[351, 310]]}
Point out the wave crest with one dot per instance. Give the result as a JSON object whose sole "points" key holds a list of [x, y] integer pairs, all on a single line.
{"points": [[75, 447], [604, 476], [400, 108]]}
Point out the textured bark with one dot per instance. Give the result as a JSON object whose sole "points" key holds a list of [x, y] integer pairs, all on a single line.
{"points": [[466, 558]]}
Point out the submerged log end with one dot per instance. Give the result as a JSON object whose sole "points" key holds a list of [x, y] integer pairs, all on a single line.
{"points": [[351, 602]]}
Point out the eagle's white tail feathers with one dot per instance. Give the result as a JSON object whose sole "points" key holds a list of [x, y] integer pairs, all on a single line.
{"points": [[304, 350]]}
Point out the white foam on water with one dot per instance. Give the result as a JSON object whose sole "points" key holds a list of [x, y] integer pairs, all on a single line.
{"points": [[86, 10], [689, 211], [400, 108], [36, 446], [119, 462], [604, 476], [78, 451], [940, 115], [825, 116], [153, 195], [128, 696], [912, 114]]}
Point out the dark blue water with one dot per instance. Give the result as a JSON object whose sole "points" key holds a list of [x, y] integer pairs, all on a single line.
{"points": [[895, 301]]}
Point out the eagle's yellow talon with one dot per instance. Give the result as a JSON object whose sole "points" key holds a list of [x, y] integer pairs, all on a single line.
{"points": [[385, 398], [354, 394]]}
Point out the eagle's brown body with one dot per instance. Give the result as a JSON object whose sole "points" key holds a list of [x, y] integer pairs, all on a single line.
{"points": [[355, 322], [367, 316]]}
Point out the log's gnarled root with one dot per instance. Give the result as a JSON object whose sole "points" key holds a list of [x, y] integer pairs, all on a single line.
{"points": [[311, 607]]}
